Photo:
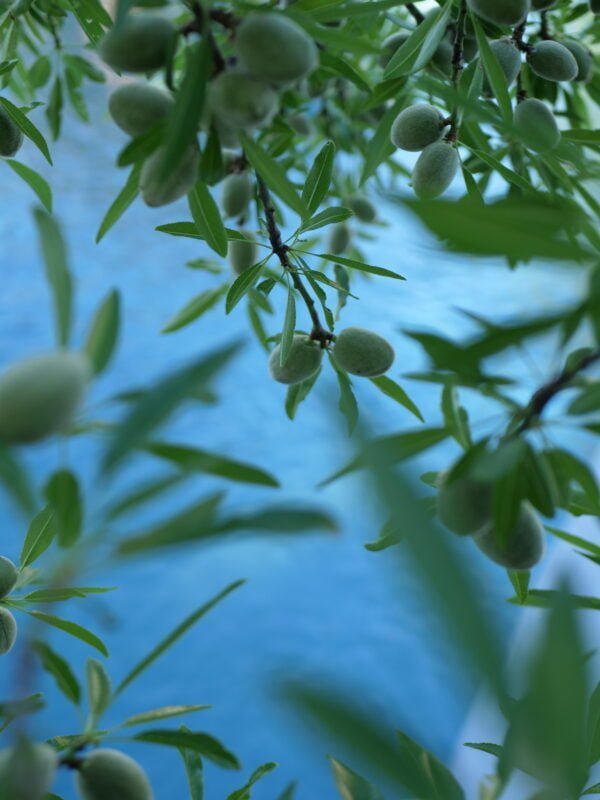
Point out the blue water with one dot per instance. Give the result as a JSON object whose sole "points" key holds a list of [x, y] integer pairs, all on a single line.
{"points": [[314, 607]]}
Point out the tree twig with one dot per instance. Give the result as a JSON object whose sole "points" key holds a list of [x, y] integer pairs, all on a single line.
{"points": [[281, 250], [417, 15], [458, 54]]}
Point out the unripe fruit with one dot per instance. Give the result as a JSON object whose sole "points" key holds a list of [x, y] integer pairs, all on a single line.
{"points": [[141, 43], [275, 48], [339, 238], [111, 775], [8, 576], [236, 193], [39, 396], [11, 136], [416, 127], [435, 170], [470, 48], [509, 59], [8, 631], [390, 45], [180, 181], [363, 209], [303, 361], [464, 505], [536, 125], [525, 546], [301, 124], [584, 59], [239, 101], [552, 61], [362, 352], [243, 254], [137, 107], [442, 58], [500, 12], [27, 771]]}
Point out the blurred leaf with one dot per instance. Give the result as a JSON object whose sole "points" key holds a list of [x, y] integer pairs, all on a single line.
{"points": [[347, 403], [104, 332], [289, 793], [156, 405], [166, 712], [92, 16], [455, 417], [121, 202], [72, 628], [195, 308], [57, 271], [587, 401], [64, 499], [13, 709], [241, 285], [207, 218], [280, 519], [55, 665], [144, 493], [289, 328], [359, 265], [352, 786], [397, 393], [99, 690], [245, 792], [329, 216], [202, 743], [27, 127], [297, 393], [546, 598], [493, 70], [520, 582], [15, 479], [193, 769], [39, 536], [175, 634]]}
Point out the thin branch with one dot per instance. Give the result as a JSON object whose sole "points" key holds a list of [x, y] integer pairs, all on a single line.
{"points": [[417, 15], [281, 250], [540, 399], [458, 55], [517, 37]]}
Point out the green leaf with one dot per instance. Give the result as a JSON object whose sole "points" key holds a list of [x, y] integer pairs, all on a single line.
{"points": [[60, 670], [192, 762], [241, 286], [397, 393], [207, 218], [182, 124], [195, 308], [351, 785], [493, 70], [297, 393], [196, 460], [394, 449], [166, 712], [380, 146], [455, 417], [420, 46], [509, 175], [39, 185], [329, 216], [92, 17], [103, 334], [318, 178], [273, 174], [347, 403], [158, 403], [202, 743], [27, 127], [57, 271], [245, 792], [72, 628], [39, 536], [520, 582], [176, 634], [64, 499], [280, 519], [121, 202], [587, 401], [99, 690], [354, 264], [590, 547], [54, 109], [289, 328], [143, 494], [546, 598], [289, 793], [59, 593]]}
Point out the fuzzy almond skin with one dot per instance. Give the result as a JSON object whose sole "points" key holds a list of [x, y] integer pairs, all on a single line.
{"points": [[435, 170], [8, 631], [11, 136], [303, 361], [240, 101], [464, 505], [111, 775], [536, 125], [137, 107], [509, 59], [179, 182], [362, 352], [27, 771], [243, 254], [416, 127], [8, 576], [553, 61], [275, 49], [500, 12], [390, 46], [442, 58], [141, 43], [236, 193], [39, 396], [584, 59], [525, 547], [339, 239], [362, 208]]}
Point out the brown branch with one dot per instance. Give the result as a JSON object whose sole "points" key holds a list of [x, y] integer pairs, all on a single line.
{"points": [[540, 399], [199, 25], [281, 250], [458, 54], [517, 37], [417, 15]]}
